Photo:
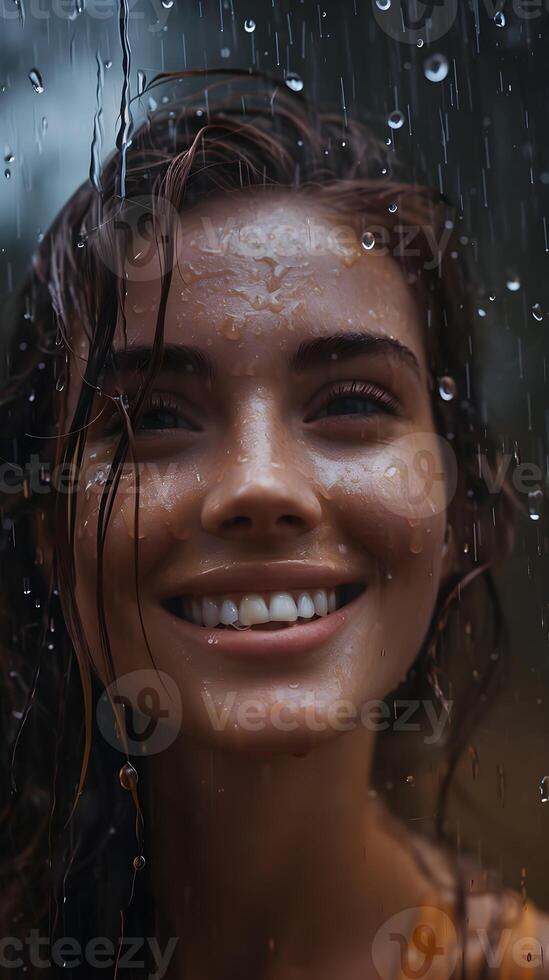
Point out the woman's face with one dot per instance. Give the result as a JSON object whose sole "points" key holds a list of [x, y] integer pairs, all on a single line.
{"points": [[287, 462]]}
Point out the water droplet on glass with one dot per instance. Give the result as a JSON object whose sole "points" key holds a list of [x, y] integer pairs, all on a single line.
{"points": [[393, 207], [294, 82], [108, 64], [396, 119], [225, 52], [513, 283], [368, 240], [383, 4], [537, 312], [249, 25], [9, 156], [535, 504], [7, 173], [139, 861], [499, 19], [544, 789], [436, 68], [141, 82], [36, 81], [128, 776], [447, 388], [168, 4], [420, 42]]}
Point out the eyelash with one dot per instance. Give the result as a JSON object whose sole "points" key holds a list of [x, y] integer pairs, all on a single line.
{"points": [[363, 389]]}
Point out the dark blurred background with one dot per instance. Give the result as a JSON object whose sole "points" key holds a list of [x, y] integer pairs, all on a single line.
{"points": [[477, 127]]}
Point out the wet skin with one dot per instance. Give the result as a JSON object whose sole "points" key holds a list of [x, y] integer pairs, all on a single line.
{"points": [[268, 464]]}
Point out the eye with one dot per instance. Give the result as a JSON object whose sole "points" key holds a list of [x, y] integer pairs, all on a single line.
{"points": [[163, 412], [355, 398]]}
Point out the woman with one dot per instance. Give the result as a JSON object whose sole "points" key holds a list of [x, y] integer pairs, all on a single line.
{"points": [[240, 370]]}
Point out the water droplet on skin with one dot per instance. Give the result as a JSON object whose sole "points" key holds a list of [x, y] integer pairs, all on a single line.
{"points": [[436, 68], [544, 789], [396, 119], [36, 81], [383, 4], [368, 240], [535, 504], [294, 82], [500, 19], [447, 388], [230, 330], [513, 283], [128, 776], [537, 312], [416, 541], [249, 25]]}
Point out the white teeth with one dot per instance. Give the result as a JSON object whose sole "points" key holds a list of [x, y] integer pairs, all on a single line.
{"points": [[229, 612], [275, 607], [253, 609], [210, 612], [282, 608], [321, 603], [305, 606]]}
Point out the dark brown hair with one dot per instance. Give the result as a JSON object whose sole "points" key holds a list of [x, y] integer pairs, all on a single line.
{"points": [[71, 868]]}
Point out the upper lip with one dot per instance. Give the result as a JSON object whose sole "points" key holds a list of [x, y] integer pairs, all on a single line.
{"points": [[266, 576]]}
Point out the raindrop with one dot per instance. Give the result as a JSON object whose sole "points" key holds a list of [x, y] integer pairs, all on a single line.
{"points": [[82, 240], [544, 789], [499, 19], [26, 587], [225, 52], [383, 4], [249, 25], [139, 861], [294, 82], [167, 4], [396, 119], [393, 207], [128, 776], [141, 80], [410, 780], [368, 240], [44, 125], [9, 155], [535, 504], [108, 64], [35, 79], [447, 388], [420, 42], [60, 383], [436, 68], [7, 173], [513, 283], [537, 312]]}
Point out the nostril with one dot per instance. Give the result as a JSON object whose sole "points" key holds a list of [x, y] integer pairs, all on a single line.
{"points": [[290, 520], [239, 521]]}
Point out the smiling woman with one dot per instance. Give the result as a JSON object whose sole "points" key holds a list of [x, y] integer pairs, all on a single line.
{"points": [[253, 368]]}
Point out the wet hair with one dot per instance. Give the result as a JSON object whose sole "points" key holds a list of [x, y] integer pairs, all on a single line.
{"points": [[70, 851]]}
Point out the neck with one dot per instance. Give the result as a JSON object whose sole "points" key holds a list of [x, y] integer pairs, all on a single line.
{"points": [[262, 861]]}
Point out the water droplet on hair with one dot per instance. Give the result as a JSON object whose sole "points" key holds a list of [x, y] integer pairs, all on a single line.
{"points": [[294, 82], [544, 789], [537, 312], [128, 776], [36, 81], [249, 25], [139, 861], [513, 283], [500, 19], [447, 388], [368, 240], [535, 504], [436, 68], [60, 384], [396, 119]]}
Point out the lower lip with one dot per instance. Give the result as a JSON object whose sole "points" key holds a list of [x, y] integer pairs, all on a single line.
{"points": [[289, 641]]}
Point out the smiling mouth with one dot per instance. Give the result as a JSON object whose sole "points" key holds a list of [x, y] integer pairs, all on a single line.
{"points": [[262, 611]]}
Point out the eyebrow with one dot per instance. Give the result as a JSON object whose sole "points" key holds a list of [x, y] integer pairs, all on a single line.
{"points": [[310, 354]]}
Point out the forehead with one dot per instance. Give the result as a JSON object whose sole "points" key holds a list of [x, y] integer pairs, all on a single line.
{"points": [[259, 271]]}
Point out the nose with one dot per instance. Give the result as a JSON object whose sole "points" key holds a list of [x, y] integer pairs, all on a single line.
{"points": [[262, 493]]}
